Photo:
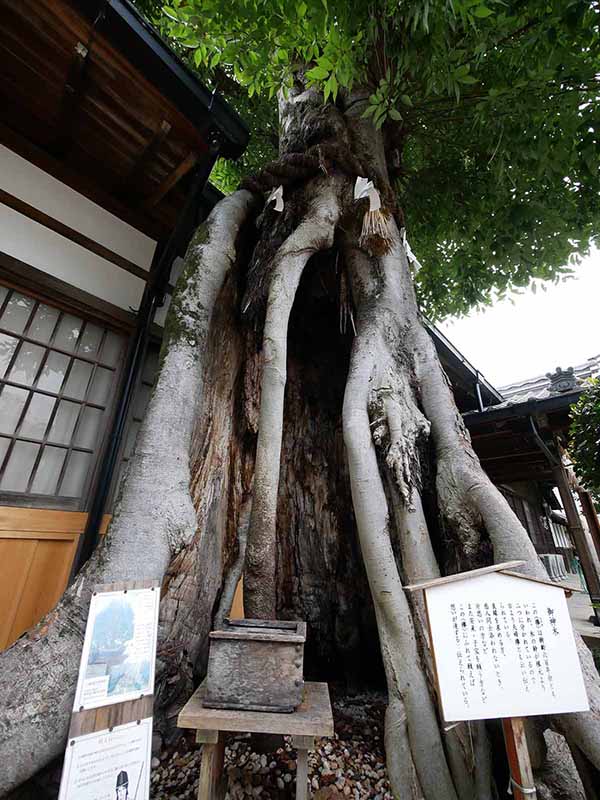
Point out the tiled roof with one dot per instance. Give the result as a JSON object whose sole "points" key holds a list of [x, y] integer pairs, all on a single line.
{"points": [[541, 387]]}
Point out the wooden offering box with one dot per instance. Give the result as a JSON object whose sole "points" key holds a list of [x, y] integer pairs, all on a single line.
{"points": [[256, 665]]}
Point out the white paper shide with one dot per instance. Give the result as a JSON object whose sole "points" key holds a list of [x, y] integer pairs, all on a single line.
{"points": [[504, 647], [109, 764], [365, 188], [119, 651]]}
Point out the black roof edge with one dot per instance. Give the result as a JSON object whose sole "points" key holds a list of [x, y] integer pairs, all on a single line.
{"points": [[444, 346], [546, 405], [211, 195], [125, 27]]}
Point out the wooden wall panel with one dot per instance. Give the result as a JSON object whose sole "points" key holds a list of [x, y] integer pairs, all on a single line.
{"points": [[37, 548], [36, 519], [15, 561], [46, 581]]}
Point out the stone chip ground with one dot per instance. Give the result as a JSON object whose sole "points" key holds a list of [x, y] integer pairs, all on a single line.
{"points": [[349, 765]]}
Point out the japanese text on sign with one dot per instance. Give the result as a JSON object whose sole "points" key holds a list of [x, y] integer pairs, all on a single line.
{"points": [[503, 647]]}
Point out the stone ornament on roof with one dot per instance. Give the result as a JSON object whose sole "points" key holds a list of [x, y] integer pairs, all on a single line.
{"points": [[562, 381]]}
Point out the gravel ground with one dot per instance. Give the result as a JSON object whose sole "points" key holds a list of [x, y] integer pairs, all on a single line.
{"points": [[349, 765]]}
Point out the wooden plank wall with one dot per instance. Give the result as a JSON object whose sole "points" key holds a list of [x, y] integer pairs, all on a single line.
{"points": [[37, 547]]}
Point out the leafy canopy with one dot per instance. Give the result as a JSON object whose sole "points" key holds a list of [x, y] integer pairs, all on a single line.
{"points": [[489, 109], [585, 438]]}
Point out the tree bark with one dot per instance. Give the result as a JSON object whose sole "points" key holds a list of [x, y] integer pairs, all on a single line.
{"points": [[38, 674], [317, 445], [314, 233]]}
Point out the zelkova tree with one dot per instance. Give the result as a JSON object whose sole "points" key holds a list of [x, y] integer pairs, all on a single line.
{"points": [[302, 431]]}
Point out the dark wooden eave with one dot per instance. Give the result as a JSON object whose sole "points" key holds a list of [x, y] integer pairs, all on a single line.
{"points": [[505, 438], [129, 32], [92, 95]]}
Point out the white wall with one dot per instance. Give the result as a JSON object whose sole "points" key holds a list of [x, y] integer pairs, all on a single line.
{"points": [[45, 250], [161, 313]]}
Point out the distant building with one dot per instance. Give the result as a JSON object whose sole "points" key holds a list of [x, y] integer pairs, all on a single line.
{"points": [[561, 382], [520, 442]]}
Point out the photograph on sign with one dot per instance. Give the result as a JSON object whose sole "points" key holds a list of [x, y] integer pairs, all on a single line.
{"points": [[119, 650], [109, 765], [503, 647]]}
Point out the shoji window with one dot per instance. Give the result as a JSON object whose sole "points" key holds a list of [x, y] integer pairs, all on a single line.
{"points": [[58, 374]]}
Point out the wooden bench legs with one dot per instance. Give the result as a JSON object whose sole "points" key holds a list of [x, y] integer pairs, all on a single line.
{"points": [[212, 782], [302, 744]]}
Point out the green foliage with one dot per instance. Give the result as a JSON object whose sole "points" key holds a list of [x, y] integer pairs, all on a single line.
{"points": [[259, 112], [491, 106], [584, 446]]}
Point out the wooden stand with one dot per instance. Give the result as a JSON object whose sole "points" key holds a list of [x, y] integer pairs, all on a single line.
{"points": [[311, 719], [211, 782], [522, 785]]}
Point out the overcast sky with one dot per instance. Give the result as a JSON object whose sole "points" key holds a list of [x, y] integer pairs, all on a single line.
{"points": [[542, 330]]}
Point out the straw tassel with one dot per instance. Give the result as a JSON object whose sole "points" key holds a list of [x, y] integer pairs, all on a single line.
{"points": [[376, 235]]}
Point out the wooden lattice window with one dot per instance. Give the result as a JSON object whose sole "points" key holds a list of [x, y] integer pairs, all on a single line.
{"points": [[58, 374]]}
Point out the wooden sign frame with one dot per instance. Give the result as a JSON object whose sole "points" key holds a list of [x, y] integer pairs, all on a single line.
{"points": [[107, 717], [520, 770]]}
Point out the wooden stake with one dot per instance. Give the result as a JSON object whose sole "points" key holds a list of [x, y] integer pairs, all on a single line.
{"points": [[519, 762]]}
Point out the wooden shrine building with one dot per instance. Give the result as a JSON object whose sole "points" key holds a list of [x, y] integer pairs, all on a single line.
{"points": [[106, 144], [521, 444]]}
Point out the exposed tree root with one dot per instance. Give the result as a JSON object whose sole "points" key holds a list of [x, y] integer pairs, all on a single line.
{"points": [[400, 430], [221, 463], [557, 778], [38, 673], [396, 398], [467, 745], [469, 501], [415, 753], [463, 485], [314, 233]]}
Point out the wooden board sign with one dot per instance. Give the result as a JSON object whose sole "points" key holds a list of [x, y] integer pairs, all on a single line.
{"points": [[110, 737], [119, 650], [503, 647], [112, 764]]}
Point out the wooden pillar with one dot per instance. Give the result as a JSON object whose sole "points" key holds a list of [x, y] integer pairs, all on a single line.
{"points": [[519, 761], [591, 516], [590, 563]]}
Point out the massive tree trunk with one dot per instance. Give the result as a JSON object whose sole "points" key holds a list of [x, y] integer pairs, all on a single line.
{"points": [[302, 428], [154, 523]]}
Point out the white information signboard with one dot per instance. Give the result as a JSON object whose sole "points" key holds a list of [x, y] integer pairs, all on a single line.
{"points": [[503, 647], [119, 651], [109, 764]]}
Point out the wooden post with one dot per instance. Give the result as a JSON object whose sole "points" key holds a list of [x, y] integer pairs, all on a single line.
{"points": [[302, 744], [519, 762], [581, 538], [589, 510], [210, 785]]}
